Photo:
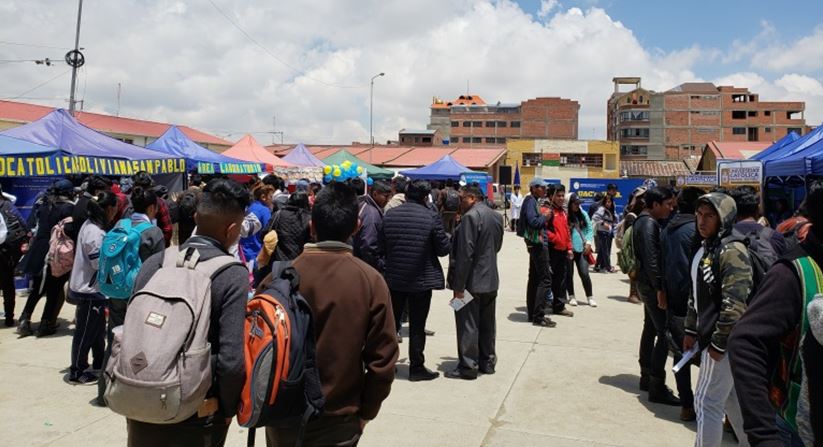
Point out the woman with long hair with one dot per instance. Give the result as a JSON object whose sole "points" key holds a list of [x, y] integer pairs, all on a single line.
{"points": [[90, 317], [604, 220], [581, 229]]}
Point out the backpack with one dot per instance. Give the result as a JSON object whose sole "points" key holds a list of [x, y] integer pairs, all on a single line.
{"points": [[60, 256], [17, 232], [792, 237], [282, 386], [625, 257], [452, 201], [593, 208], [160, 366], [761, 254], [120, 259]]}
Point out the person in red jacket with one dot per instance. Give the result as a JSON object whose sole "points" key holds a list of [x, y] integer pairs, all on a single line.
{"points": [[558, 238]]}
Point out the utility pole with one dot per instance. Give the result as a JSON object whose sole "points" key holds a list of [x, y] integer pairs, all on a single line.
{"points": [[371, 114], [75, 59]]}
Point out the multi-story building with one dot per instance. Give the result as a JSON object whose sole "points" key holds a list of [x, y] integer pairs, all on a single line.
{"points": [[678, 123], [563, 159], [470, 120]]}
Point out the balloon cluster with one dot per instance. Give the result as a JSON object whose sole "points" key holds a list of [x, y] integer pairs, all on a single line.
{"points": [[341, 172]]}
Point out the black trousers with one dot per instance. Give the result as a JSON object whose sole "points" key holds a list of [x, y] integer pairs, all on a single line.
{"points": [[323, 431], [476, 333], [7, 264], [559, 262], [604, 251], [211, 434], [540, 281], [683, 378], [89, 335], [583, 270], [55, 297], [419, 304], [654, 346], [117, 315]]}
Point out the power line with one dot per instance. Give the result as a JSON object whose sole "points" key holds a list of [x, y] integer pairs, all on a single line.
{"points": [[40, 85], [274, 56], [6, 42]]}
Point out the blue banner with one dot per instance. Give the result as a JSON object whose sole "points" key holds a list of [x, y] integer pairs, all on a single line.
{"points": [[587, 188]]}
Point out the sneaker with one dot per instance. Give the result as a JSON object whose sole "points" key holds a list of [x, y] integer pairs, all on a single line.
{"points": [[24, 327], [457, 374], [422, 374], [633, 299], [592, 302], [565, 313], [87, 378], [572, 301]]}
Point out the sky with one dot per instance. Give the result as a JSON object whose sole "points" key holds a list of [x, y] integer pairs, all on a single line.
{"points": [[231, 67]]}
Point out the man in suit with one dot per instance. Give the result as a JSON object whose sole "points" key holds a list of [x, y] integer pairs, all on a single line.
{"points": [[473, 268]]}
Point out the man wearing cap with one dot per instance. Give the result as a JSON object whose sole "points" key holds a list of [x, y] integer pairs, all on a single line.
{"points": [[539, 288]]}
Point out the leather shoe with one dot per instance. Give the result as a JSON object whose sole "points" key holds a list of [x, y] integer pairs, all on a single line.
{"points": [[422, 374], [687, 414], [633, 299], [565, 313], [544, 322], [457, 374], [489, 370]]}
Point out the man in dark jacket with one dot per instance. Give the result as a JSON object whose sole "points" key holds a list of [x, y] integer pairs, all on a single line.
{"points": [[653, 343], [539, 288], [473, 269], [220, 216], [747, 201], [722, 280], [771, 355], [414, 238], [292, 226], [368, 241], [678, 246], [10, 253]]}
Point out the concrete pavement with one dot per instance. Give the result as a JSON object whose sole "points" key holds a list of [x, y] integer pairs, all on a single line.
{"points": [[573, 385]]}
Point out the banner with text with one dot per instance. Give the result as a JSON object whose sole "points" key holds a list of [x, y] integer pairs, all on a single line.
{"points": [[61, 165]]}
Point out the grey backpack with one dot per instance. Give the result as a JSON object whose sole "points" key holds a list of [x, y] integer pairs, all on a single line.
{"points": [[160, 366]]}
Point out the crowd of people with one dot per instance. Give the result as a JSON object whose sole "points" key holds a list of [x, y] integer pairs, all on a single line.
{"points": [[367, 259], [720, 288]]}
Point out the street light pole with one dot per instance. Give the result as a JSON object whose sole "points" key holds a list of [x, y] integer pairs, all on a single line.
{"points": [[371, 109], [76, 64]]}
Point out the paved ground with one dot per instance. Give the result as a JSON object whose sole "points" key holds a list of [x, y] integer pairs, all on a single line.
{"points": [[573, 385]]}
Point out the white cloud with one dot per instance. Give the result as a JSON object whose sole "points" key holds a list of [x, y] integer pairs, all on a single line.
{"points": [[804, 54], [183, 62], [546, 7]]}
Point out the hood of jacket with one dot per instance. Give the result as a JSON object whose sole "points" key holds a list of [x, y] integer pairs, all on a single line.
{"points": [[726, 209], [679, 220]]}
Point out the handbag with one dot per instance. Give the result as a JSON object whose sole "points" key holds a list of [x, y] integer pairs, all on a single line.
{"points": [[590, 259]]}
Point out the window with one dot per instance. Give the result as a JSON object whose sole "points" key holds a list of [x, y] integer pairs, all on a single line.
{"points": [[477, 140], [634, 132], [515, 123], [581, 160], [427, 139], [738, 114], [490, 140], [454, 140], [467, 140], [796, 130], [738, 98], [705, 130], [490, 123], [634, 115], [767, 129], [532, 159], [767, 112], [501, 124], [467, 124], [455, 123], [752, 113], [738, 131], [627, 149], [477, 123], [501, 141]]}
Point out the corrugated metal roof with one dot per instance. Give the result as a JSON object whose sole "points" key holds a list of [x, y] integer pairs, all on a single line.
{"points": [[25, 113], [417, 131], [644, 168], [737, 150], [478, 158]]}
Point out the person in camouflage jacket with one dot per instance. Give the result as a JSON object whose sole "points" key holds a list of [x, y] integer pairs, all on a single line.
{"points": [[718, 302]]}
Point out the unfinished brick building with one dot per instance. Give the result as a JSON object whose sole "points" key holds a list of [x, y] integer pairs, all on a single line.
{"points": [[677, 123], [470, 120]]}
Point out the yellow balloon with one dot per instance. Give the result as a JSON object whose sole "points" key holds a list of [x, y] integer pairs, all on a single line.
{"points": [[337, 171], [359, 169], [327, 169], [345, 164]]}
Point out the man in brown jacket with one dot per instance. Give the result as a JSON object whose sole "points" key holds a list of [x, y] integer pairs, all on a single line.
{"points": [[348, 299]]}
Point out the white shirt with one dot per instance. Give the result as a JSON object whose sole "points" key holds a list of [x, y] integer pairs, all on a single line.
{"points": [[517, 203]]}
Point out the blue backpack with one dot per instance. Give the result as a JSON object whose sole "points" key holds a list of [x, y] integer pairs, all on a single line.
{"points": [[120, 259]]}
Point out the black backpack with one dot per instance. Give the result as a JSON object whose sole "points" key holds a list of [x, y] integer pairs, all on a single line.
{"points": [[761, 254], [17, 229], [452, 202]]}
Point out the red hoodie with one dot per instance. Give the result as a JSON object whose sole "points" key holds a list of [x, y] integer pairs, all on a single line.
{"points": [[557, 230]]}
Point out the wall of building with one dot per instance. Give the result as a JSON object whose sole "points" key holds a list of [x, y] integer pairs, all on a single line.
{"points": [[557, 159]]}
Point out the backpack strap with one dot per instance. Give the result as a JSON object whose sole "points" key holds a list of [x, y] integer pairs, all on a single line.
{"points": [[811, 279]]}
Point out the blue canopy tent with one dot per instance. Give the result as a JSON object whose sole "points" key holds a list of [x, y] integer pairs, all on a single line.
{"points": [[301, 156], [204, 161], [443, 169], [790, 161], [775, 148]]}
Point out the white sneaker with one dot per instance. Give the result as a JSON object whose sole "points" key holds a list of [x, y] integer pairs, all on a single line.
{"points": [[572, 301], [592, 302]]}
